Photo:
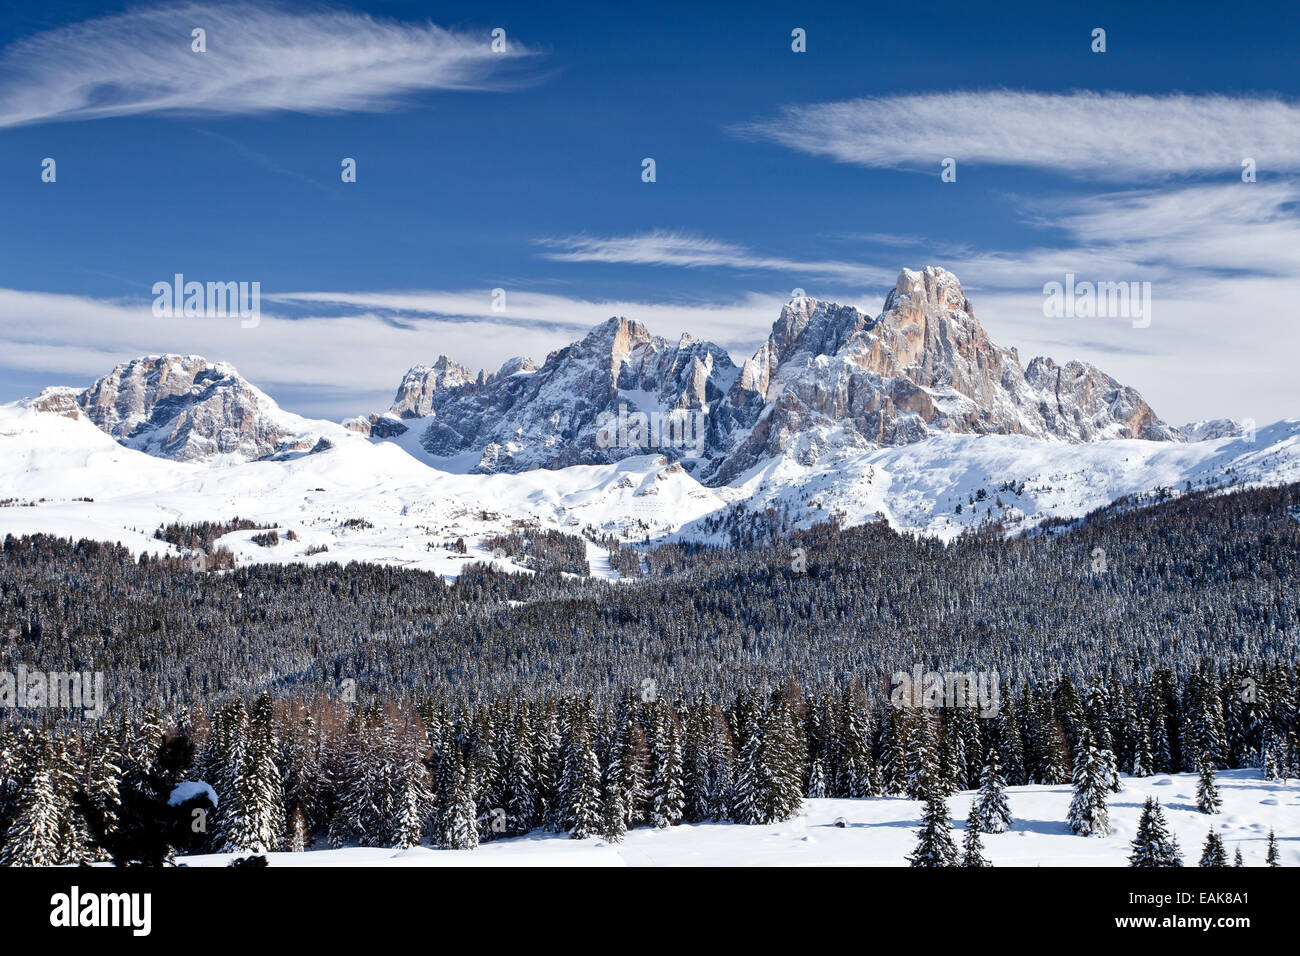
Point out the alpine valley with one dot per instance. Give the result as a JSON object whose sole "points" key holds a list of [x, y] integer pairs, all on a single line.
{"points": [[914, 415]]}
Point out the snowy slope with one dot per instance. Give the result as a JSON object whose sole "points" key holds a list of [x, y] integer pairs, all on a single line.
{"points": [[51, 463], [919, 486], [881, 831]]}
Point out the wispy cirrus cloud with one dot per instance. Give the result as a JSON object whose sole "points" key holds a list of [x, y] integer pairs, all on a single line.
{"points": [[257, 60], [1101, 135], [666, 248]]}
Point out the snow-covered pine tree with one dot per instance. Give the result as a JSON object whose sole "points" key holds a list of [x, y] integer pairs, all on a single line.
{"points": [[721, 765], [580, 786], [1208, 799], [1271, 858], [817, 779], [969, 747], [1006, 738], [747, 791], [222, 762], [486, 771], [74, 836], [1089, 815], [1143, 759], [972, 848], [922, 759], [33, 835], [1110, 770], [300, 762], [255, 821], [1236, 858], [1154, 845], [665, 785], [893, 751], [523, 803], [992, 814], [461, 820], [695, 761], [626, 772], [856, 772], [1213, 853], [934, 845], [949, 763], [414, 797], [613, 817], [446, 780]]}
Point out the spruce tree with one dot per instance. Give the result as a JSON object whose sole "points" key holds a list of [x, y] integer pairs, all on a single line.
{"points": [[1271, 859], [1154, 845], [33, 835], [1207, 791], [972, 849], [666, 798], [255, 822], [922, 760], [1089, 815], [992, 814], [1213, 853], [934, 846], [613, 818], [461, 820], [523, 801], [579, 793], [1236, 858], [856, 772]]}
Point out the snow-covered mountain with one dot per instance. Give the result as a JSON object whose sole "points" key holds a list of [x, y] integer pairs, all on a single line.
{"points": [[915, 415], [829, 379], [187, 409], [566, 411]]}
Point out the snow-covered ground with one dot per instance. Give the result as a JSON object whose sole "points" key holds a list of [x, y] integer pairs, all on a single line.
{"points": [[412, 514], [882, 831]]}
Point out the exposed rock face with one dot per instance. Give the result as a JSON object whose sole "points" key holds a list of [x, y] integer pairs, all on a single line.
{"points": [[415, 396], [829, 380], [1080, 402], [376, 426], [830, 375], [183, 408], [525, 417], [57, 400]]}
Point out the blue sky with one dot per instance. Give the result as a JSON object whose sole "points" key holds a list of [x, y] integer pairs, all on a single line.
{"points": [[522, 171]]}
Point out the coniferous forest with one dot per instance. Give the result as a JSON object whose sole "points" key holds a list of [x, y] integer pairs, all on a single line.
{"points": [[358, 705]]}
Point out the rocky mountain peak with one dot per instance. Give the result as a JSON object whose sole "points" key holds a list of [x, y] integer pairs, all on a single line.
{"points": [[186, 408], [932, 289]]}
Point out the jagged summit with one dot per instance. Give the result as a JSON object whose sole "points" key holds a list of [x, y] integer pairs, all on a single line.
{"points": [[829, 380], [186, 408]]}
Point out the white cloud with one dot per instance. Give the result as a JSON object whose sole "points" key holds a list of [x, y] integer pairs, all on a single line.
{"points": [[349, 357], [1087, 134], [1223, 260], [258, 60], [664, 248]]}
